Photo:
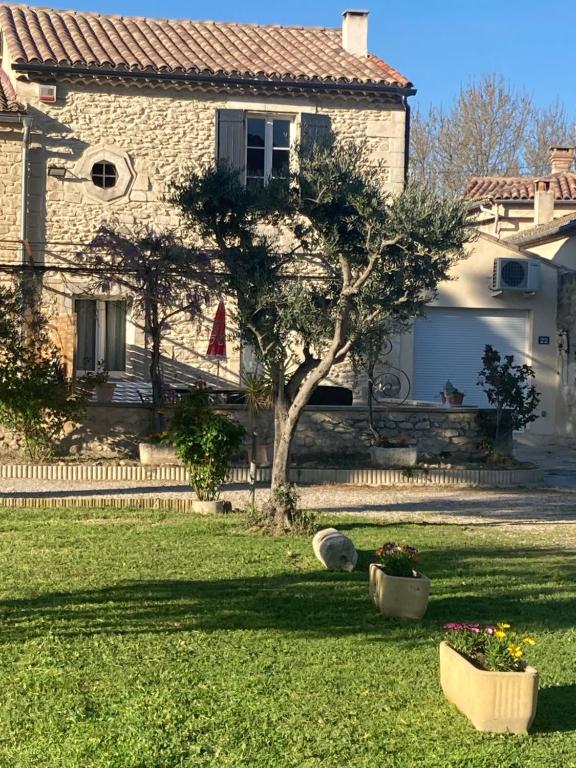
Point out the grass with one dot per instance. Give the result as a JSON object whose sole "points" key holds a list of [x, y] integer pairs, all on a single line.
{"points": [[155, 640]]}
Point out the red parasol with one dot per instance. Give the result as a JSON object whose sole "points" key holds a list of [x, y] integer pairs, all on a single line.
{"points": [[217, 343]]}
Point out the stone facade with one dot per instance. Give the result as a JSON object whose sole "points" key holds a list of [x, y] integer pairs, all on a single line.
{"points": [[10, 191], [154, 136]]}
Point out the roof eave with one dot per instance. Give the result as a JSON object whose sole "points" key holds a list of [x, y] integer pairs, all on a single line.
{"points": [[210, 79]]}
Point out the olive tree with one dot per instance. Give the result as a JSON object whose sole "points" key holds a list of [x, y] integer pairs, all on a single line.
{"points": [[316, 261]]}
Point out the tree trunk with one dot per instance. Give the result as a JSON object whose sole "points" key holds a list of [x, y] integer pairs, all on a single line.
{"points": [[155, 370], [285, 423]]}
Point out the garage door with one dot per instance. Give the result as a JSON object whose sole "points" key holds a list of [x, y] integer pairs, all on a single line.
{"points": [[449, 344]]}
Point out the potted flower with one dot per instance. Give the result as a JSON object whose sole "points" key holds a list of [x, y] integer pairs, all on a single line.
{"points": [[206, 442], [393, 452], [483, 672], [456, 397], [395, 586]]}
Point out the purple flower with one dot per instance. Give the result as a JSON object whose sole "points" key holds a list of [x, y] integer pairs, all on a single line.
{"points": [[453, 626]]}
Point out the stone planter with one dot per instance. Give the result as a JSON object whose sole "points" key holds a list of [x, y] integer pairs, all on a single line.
{"points": [[404, 456], [105, 392], [155, 455], [263, 456], [498, 702], [208, 507], [398, 596]]}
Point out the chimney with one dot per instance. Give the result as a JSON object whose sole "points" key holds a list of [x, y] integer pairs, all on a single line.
{"points": [[561, 159], [543, 201], [355, 32]]}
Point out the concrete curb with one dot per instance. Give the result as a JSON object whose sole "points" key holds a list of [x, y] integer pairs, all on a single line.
{"points": [[491, 478]]}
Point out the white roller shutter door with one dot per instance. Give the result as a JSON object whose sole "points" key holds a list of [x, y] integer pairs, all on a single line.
{"points": [[449, 344]]}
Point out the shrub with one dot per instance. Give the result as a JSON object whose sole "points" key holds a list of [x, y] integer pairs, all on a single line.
{"points": [[508, 387], [206, 442], [36, 398]]}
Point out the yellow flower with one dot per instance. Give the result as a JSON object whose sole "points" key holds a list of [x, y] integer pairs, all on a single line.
{"points": [[501, 625], [499, 634], [515, 651], [529, 641]]}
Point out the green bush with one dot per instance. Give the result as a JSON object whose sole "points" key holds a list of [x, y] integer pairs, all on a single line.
{"points": [[206, 441], [36, 397]]}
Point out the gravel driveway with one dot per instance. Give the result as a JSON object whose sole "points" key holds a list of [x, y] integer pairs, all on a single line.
{"points": [[471, 505]]}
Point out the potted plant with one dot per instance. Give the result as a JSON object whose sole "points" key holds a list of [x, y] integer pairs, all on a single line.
{"points": [[456, 397], [484, 674], [97, 382], [206, 442], [396, 587], [257, 390], [393, 452], [154, 452]]}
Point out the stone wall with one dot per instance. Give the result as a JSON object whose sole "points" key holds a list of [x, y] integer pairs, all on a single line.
{"points": [[329, 436], [10, 191]]}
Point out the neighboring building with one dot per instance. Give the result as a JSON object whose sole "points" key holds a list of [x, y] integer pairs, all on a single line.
{"points": [[121, 107], [506, 293]]}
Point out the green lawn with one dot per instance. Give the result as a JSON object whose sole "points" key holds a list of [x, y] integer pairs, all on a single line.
{"points": [[151, 640]]}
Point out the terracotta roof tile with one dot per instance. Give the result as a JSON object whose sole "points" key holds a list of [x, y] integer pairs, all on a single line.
{"points": [[520, 188], [70, 38], [8, 101], [563, 226]]}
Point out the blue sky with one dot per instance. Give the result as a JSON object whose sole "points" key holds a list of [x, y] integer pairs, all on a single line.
{"points": [[438, 44]]}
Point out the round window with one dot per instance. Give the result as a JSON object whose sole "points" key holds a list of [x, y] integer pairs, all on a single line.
{"points": [[104, 175]]}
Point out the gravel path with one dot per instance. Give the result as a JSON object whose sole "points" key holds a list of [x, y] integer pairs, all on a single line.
{"points": [[462, 505]]}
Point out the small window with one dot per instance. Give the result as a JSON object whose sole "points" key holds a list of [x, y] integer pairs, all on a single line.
{"points": [[267, 150], [104, 175]]}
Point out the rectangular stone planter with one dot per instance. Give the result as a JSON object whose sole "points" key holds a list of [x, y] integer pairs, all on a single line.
{"points": [[498, 702], [397, 596], [402, 456], [155, 455]]}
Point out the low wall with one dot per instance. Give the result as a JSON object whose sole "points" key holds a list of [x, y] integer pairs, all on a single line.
{"points": [[328, 435]]}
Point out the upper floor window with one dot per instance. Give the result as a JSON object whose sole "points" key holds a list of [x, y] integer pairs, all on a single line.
{"points": [[267, 149]]}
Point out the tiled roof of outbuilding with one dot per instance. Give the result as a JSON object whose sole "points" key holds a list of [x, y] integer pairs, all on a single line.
{"points": [[520, 188], [8, 101], [136, 44]]}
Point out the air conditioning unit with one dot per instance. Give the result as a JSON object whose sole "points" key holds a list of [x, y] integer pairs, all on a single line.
{"points": [[516, 275]]}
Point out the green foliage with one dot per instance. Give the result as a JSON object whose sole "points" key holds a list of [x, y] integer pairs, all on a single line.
{"points": [[205, 440], [36, 398], [357, 260], [492, 647], [397, 559], [508, 387]]}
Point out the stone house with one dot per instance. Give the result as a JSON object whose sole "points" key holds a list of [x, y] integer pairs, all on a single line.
{"points": [[114, 109]]}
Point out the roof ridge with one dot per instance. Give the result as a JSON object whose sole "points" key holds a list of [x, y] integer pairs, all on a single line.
{"points": [[182, 20]]}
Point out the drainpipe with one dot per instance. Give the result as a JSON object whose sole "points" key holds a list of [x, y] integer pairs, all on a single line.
{"points": [[406, 140]]}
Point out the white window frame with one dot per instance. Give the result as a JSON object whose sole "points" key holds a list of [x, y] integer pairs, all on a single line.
{"points": [[268, 141], [100, 351]]}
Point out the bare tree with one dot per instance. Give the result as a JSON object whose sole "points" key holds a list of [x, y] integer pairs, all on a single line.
{"points": [[491, 130], [549, 127]]}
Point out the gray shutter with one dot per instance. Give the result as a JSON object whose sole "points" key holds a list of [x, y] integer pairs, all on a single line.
{"points": [[315, 130], [231, 138]]}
